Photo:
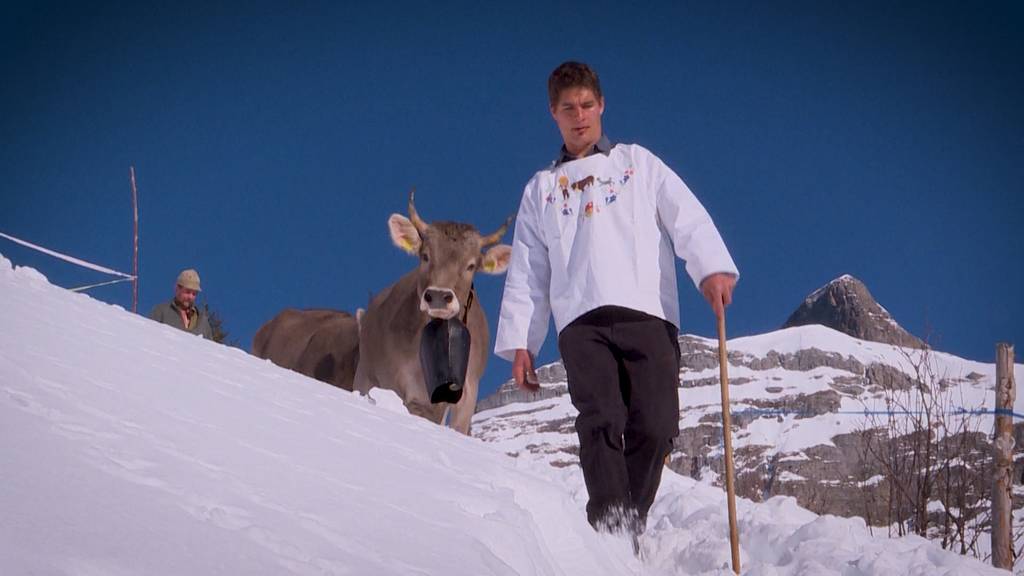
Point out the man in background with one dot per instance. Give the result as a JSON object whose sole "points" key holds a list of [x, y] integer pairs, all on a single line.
{"points": [[181, 311]]}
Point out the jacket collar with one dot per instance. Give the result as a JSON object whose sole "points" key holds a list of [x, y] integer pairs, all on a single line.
{"points": [[177, 308], [604, 146]]}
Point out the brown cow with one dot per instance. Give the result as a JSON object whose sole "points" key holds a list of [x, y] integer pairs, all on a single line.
{"points": [[322, 344], [449, 255]]}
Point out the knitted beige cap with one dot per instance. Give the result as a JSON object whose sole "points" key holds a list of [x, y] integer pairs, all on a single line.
{"points": [[189, 279]]}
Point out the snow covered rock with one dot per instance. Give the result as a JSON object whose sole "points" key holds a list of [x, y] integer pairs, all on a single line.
{"points": [[846, 305]]}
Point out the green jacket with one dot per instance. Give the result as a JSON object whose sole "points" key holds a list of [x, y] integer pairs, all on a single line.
{"points": [[167, 313]]}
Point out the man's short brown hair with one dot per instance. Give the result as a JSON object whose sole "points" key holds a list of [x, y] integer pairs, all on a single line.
{"points": [[572, 75]]}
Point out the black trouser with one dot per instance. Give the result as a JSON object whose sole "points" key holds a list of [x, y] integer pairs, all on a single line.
{"points": [[623, 372]]}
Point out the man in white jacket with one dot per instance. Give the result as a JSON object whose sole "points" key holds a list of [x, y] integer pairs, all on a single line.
{"points": [[595, 244]]}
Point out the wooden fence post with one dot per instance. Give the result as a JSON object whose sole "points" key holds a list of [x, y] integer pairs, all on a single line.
{"points": [[135, 242], [1002, 500]]}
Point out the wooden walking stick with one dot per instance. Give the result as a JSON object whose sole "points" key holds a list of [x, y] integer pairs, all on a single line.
{"points": [[734, 536]]}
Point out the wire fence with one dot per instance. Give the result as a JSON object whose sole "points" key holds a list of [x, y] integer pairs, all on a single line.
{"points": [[122, 277], [959, 411]]}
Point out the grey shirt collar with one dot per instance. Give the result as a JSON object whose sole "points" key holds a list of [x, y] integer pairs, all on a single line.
{"points": [[604, 146]]}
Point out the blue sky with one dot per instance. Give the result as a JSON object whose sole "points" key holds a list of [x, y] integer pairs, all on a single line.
{"points": [[272, 141]]}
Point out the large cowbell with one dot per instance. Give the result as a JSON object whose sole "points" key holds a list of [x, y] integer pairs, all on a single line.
{"points": [[444, 357]]}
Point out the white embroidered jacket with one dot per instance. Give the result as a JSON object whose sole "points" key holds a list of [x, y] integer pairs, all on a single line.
{"points": [[603, 230]]}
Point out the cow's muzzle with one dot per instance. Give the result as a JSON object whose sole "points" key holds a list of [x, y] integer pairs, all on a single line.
{"points": [[439, 303]]}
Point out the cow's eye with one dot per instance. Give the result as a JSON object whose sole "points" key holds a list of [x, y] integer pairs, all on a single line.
{"points": [[424, 257], [471, 267]]}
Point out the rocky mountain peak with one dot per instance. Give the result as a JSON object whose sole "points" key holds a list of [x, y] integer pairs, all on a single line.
{"points": [[846, 305]]}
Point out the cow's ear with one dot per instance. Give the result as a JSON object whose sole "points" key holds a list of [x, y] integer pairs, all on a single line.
{"points": [[497, 258], [404, 234]]}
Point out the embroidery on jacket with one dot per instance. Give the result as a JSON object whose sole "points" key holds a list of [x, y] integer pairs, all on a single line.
{"points": [[612, 194], [609, 189], [582, 184], [563, 183], [609, 192]]}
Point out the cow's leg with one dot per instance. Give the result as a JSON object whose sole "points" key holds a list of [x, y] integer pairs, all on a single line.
{"points": [[462, 412], [424, 409], [362, 382]]}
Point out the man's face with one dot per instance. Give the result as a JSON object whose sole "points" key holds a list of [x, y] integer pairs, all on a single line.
{"points": [[185, 296], [578, 115]]}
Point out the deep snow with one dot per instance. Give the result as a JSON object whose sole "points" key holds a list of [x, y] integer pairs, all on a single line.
{"points": [[128, 447]]}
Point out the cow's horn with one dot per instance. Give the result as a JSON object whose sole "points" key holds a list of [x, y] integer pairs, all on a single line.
{"points": [[496, 237], [418, 222]]}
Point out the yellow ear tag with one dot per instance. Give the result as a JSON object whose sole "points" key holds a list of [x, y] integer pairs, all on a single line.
{"points": [[489, 265], [406, 245]]}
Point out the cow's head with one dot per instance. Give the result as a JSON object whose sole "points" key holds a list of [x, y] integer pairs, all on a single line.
{"points": [[450, 254]]}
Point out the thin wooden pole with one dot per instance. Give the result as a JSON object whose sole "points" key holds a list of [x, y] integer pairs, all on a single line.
{"points": [[1002, 500], [135, 243], [730, 489]]}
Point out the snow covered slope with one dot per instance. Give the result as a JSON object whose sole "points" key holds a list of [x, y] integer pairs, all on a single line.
{"points": [[128, 447]]}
